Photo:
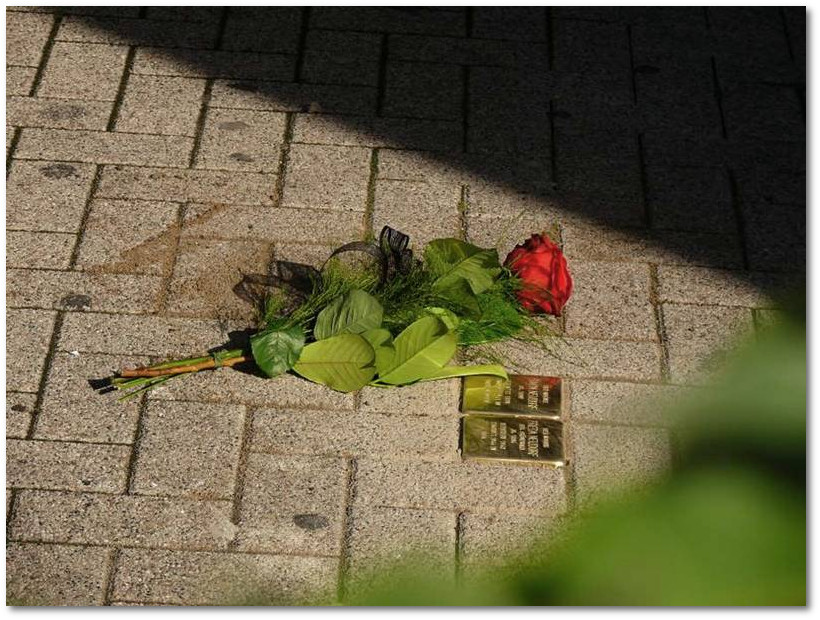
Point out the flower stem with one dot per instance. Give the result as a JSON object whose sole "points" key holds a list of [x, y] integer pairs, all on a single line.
{"points": [[189, 365]]}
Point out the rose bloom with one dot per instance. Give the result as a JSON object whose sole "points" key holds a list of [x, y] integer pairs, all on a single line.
{"points": [[542, 268]]}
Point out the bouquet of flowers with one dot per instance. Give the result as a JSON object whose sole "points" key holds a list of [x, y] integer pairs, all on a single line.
{"points": [[387, 319]]}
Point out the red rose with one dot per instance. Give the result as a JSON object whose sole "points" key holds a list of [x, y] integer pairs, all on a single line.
{"points": [[542, 268]]}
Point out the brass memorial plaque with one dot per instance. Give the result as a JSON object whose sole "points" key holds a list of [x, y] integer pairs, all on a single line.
{"points": [[521, 394], [513, 438]]}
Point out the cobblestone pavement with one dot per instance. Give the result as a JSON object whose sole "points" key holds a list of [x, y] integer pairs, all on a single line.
{"points": [[156, 153]]}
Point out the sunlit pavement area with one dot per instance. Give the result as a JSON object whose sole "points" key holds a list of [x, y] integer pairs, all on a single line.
{"points": [[155, 155]]}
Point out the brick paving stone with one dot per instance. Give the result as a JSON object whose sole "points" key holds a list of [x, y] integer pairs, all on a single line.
{"points": [[519, 23], [254, 223], [28, 334], [138, 335], [186, 185], [681, 284], [213, 64], [72, 411], [424, 399], [285, 97], [327, 177], [242, 140], [104, 147], [342, 434], [610, 301], [610, 459], [76, 71], [341, 58], [430, 135], [609, 402], [186, 13], [699, 337], [61, 466], [763, 111], [459, 486], [72, 291], [160, 105], [206, 272], [19, 409], [292, 504], [188, 450], [129, 236], [19, 80], [137, 32], [263, 29], [39, 250], [202, 578], [434, 212], [232, 386], [450, 50], [41, 574], [422, 20], [694, 199], [57, 113], [98, 519], [583, 45], [26, 34], [423, 90], [47, 196]]}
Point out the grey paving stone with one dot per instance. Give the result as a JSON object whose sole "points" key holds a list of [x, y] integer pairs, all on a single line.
{"points": [[26, 34], [39, 574], [213, 64], [284, 97], [292, 504], [422, 90], [494, 542], [763, 111], [40, 250], [94, 518], [517, 23], [237, 222], [701, 337], [609, 402], [694, 199], [341, 58], [186, 185], [28, 334], [138, 335], [611, 459], [610, 301], [74, 291], [327, 177], [459, 486], [160, 105], [186, 13], [242, 140], [104, 147], [57, 113], [583, 45], [206, 272], [776, 238], [19, 80], [426, 399], [263, 29], [765, 319], [698, 285], [308, 254], [188, 450], [184, 578], [71, 411], [231, 386], [90, 72], [47, 196], [138, 32], [504, 233], [428, 21], [343, 434], [430, 135], [450, 50], [129, 236], [434, 212], [19, 409], [62, 466]]}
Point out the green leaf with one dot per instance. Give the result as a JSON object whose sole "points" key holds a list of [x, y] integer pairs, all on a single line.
{"points": [[421, 350], [458, 292], [343, 363], [450, 319], [382, 342], [467, 371], [276, 351], [352, 313], [452, 260]]}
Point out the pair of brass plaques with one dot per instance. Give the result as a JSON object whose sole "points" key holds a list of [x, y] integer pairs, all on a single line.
{"points": [[516, 419]]}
